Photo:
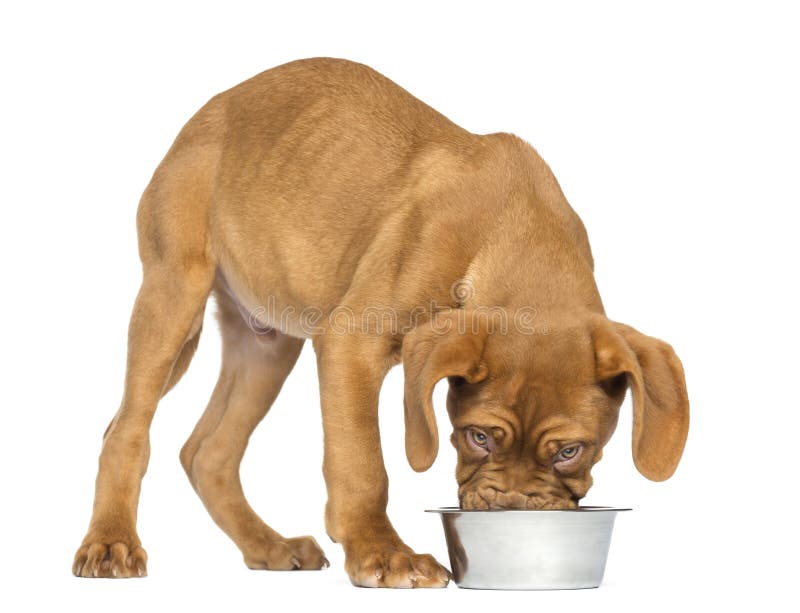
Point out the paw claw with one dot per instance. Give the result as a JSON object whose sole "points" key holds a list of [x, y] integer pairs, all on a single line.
{"points": [[111, 558], [371, 565]]}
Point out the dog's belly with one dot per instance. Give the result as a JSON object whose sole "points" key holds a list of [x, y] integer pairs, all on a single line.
{"points": [[268, 316]]}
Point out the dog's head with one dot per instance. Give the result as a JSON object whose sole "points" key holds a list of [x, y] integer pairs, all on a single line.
{"points": [[531, 412]]}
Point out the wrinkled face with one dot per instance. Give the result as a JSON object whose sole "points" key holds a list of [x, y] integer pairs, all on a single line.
{"points": [[526, 445], [531, 413]]}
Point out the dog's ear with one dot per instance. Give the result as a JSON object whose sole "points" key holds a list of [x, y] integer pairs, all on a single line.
{"points": [[447, 346], [658, 386]]}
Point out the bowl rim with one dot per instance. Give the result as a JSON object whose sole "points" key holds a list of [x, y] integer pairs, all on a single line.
{"points": [[588, 509]]}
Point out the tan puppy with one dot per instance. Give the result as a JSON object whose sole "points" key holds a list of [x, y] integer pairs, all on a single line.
{"points": [[320, 200]]}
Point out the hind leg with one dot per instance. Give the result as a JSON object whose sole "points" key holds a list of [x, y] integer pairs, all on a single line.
{"points": [[254, 368], [168, 312], [177, 276]]}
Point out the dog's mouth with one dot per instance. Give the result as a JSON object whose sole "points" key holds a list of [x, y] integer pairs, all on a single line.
{"points": [[489, 498]]}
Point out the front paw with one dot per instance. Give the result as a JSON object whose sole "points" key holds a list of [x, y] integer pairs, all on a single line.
{"points": [[390, 565], [106, 557]]}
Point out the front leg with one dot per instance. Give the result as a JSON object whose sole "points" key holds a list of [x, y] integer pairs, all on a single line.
{"points": [[351, 370]]}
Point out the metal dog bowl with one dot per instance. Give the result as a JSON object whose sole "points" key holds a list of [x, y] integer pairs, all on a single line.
{"points": [[528, 550]]}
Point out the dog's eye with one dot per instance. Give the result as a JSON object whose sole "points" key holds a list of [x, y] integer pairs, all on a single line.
{"points": [[479, 438], [568, 454]]}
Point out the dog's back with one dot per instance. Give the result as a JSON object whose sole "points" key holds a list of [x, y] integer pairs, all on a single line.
{"points": [[334, 147]]}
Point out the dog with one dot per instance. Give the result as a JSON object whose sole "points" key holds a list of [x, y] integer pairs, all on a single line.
{"points": [[319, 200]]}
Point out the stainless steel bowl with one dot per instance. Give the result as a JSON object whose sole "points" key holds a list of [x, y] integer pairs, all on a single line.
{"points": [[528, 550]]}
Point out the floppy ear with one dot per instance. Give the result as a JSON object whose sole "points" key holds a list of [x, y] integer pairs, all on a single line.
{"points": [[658, 387], [431, 352]]}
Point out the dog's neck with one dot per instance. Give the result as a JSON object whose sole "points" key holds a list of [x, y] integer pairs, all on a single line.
{"points": [[535, 251], [532, 261], [506, 237]]}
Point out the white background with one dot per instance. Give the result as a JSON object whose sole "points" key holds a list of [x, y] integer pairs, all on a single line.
{"points": [[674, 134]]}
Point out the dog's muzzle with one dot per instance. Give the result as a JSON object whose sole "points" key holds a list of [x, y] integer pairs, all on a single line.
{"points": [[491, 498]]}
